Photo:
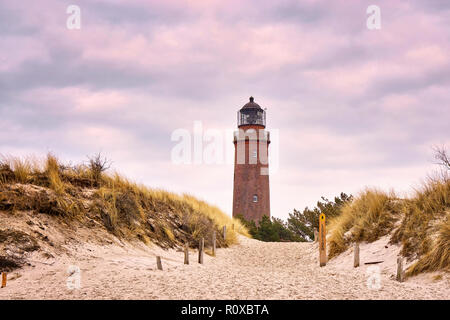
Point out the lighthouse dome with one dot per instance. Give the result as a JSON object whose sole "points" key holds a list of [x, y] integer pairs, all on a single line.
{"points": [[251, 104]]}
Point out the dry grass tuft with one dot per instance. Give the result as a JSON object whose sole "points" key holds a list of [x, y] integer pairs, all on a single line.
{"points": [[22, 168], [422, 214], [425, 229], [438, 257], [52, 172]]}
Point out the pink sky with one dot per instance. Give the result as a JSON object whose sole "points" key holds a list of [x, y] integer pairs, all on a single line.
{"points": [[353, 107]]}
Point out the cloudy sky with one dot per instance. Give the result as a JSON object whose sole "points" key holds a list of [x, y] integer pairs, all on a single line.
{"points": [[353, 107]]}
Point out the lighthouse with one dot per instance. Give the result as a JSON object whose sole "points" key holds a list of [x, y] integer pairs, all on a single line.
{"points": [[251, 196]]}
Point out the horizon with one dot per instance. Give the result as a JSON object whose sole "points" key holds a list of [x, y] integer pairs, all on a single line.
{"points": [[354, 107]]}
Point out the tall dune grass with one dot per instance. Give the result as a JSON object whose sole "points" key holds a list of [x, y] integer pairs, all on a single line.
{"points": [[420, 224], [438, 257], [369, 216], [427, 215], [125, 208], [21, 169]]}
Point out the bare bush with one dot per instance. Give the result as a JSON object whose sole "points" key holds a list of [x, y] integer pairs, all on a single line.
{"points": [[97, 165], [440, 154]]}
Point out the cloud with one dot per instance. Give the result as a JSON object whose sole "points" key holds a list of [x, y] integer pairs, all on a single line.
{"points": [[353, 107]]}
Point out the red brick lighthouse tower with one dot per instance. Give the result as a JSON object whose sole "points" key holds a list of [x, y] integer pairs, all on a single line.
{"points": [[251, 168]]}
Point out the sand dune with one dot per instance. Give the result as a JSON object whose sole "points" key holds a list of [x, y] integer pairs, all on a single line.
{"points": [[250, 270]]}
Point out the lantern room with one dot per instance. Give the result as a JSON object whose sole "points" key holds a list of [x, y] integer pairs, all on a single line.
{"points": [[251, 114]]}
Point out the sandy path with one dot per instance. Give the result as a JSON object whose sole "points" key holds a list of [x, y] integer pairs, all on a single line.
{"points": [[250, 270]]}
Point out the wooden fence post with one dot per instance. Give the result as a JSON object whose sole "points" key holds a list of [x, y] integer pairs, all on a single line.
{"points": [[316, 235], [399, 269], [3, 279], [224, 231], [322, 241], [200, 250], [158, 263], [186, 253], [214, 243], [356, 256]]}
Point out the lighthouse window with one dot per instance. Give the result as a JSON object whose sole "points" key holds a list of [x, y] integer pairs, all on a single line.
{"points": [[255, 198]]}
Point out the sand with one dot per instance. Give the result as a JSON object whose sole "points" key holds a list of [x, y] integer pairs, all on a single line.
{"points": [[250, 270]]}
